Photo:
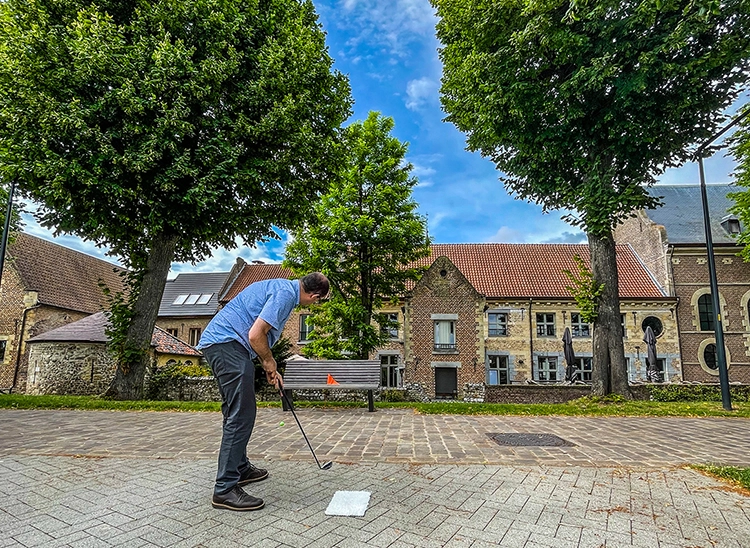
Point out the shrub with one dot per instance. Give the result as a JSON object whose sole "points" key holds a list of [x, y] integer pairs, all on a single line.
{"points": [[162, 377], [393, 396], [697, 392]]}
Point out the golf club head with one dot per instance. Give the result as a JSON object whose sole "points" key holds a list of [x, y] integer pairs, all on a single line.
{"points": [[326, 465]]}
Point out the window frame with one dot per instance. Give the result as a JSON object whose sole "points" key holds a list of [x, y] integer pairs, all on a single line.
{"points": [[498, 368], [390, 371], [449, 346], [578, 326], [705, 307], [551, 371], [500, 322], [304, 328], [547, 324], [194, 334]]}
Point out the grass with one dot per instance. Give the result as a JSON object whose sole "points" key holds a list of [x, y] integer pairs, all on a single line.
{"points": [[739, 477], [584, 407]]}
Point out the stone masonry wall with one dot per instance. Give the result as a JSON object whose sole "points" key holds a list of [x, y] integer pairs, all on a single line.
{"points": [[69, 368], [649, 241], [11, 311]]}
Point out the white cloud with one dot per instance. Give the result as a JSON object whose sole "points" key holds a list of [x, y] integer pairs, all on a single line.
{"points": [[389, 23], [507, 235], [421, 92]]}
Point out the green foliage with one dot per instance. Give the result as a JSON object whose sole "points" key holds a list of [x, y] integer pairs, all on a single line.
{"points": [[581, 104], [162, 377], [740, 149], [16, 210], [120, 316], [585, 290], [165, 129], [393, 396], [365, 238], [697, 393]]}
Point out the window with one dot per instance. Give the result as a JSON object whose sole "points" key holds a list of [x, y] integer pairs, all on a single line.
{"points": [[192, 299], [203, 299], [173, 331], [622, 323], [709, 356], [579, 327], [706, 312], [585, 366], [498, 325], [195, 336], [547, 370], [390, 371], [545, 325], [304, 327], [654, 323], [497, 369], [180, 299], [657, 374], [3, 344], [390, 330], [445, 335]]}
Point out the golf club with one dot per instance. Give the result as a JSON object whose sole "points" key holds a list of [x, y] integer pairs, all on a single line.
{"points": [[325, 465]]}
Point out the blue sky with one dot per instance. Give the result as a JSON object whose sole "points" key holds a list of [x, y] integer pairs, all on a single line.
{"points": [[388, 50]]}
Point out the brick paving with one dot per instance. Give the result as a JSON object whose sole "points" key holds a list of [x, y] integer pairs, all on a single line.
{"points": [[100, 478]]}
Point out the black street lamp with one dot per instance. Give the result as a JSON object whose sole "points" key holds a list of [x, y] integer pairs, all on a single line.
{"points": [[721, 358], [6, 229]]}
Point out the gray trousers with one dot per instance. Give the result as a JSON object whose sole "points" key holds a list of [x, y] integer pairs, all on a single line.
{"points": [[235, 372]]}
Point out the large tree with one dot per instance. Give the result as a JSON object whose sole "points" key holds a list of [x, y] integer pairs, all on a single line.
{"points": [[740, 148], [164, 128], [582, 103], [365, 237]]}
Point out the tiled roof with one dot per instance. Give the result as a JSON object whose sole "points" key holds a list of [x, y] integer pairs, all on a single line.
{"points": [[252, 273], [195, 284], [63, 277], [507, 270], [682, 212], [164, 343], [91, 329], [536, 270]]}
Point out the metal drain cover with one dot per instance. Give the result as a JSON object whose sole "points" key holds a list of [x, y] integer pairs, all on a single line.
{"points": [[529, 440]]}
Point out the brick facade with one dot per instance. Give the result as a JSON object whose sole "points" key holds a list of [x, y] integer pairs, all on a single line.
{"points": [[683, 270]]}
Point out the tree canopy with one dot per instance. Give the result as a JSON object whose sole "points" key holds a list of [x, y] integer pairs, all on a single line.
{"points": [[165, 128], [365, 237], [581, 104], [740, 149]]}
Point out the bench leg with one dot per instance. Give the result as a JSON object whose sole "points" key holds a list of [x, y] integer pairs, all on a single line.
{"points": [[370, 402], [284, 405]]}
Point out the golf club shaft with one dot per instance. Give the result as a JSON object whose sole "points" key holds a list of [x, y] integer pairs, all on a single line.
{"points": [[291, 408]]}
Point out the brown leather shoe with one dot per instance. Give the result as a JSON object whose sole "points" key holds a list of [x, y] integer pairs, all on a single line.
{"points": [[237, 499], [252, 474]]}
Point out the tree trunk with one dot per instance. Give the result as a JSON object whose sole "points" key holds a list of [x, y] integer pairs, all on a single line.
{"points": [[610, 372], [128, 381]]}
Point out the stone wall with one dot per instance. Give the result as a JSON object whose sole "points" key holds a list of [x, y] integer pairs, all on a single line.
{"points": [[69, 368]]}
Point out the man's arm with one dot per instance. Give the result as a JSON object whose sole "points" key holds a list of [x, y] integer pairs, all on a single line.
{"points": [[258, 336]]}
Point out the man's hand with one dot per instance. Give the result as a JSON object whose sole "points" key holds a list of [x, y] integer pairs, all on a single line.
{"points": [[272, 374]]}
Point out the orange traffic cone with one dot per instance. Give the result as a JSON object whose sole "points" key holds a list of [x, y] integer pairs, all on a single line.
{"points": [[331, 380]]}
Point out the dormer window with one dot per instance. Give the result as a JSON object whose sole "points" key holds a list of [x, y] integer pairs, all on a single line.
{"points": [[731, 224]]}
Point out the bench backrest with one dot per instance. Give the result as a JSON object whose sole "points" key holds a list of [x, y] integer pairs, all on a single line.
{"points": [[314, 373]]}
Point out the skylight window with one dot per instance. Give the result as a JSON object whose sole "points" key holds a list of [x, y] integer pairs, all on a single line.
{"points": [[192, 299], [180, 299], [204, 298]]}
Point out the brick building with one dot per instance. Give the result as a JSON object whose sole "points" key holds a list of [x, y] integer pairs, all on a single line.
{"points": [[492, 314], [45, 286], [671, 241]]}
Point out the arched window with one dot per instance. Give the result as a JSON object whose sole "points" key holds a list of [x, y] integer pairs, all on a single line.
{"points": [[706, 312]]}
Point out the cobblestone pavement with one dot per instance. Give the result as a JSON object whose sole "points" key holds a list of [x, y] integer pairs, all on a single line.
{"points": [[99, 478]]}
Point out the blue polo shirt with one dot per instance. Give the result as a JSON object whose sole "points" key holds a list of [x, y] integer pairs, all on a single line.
{"points": [[271, 300]]}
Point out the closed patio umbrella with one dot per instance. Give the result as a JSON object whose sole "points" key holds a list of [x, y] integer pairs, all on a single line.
{"points": [[652, 373], [571, 371]]}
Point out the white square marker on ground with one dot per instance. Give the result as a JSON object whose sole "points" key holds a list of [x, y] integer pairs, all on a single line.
{"points": [[348, 503]]}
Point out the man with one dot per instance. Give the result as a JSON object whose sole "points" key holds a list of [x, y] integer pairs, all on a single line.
{"points": [[247, 327]]}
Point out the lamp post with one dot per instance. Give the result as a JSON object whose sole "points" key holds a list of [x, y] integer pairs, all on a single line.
{"points": [[721, 358], [6, 228]]}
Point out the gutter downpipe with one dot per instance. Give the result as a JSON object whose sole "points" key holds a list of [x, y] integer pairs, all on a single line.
{"points": [[531, 342]]}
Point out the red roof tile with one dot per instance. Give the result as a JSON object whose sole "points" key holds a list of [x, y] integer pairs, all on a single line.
{"points": [[506, 270], [252, 273]]}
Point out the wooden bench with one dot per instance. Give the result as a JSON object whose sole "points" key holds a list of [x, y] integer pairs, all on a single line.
{"points": [[349, 374]]}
